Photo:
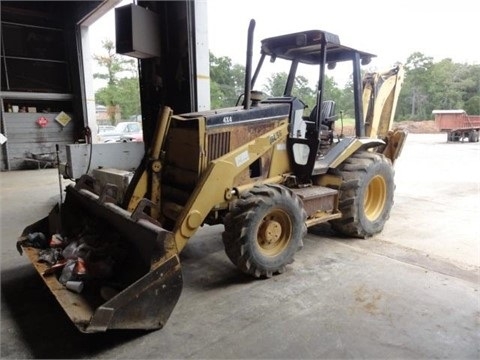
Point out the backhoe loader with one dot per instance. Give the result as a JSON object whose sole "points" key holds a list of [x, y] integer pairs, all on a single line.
{"points": [[263, 169]]}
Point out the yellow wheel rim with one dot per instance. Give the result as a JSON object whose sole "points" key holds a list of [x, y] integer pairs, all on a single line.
{"points": [[274, 233], [375, 197]]}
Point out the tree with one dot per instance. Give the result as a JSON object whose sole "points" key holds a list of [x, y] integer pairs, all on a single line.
{"points": [[226, 81], [304, 92], [415, 91], [468, 83], [437, 85], [275, 86], [472, 106], [428, 85], [442, 87], [122, 89]]}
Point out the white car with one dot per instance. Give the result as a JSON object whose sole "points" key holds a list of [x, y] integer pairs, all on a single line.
{"points": [[124, 131], [105, 128]]}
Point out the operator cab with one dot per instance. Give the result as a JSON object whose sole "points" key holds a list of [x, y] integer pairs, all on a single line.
{"points": [[312, 135], [316, 48]]}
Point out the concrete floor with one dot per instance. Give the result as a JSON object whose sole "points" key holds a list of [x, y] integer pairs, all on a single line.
{"points": [[411, 292]]}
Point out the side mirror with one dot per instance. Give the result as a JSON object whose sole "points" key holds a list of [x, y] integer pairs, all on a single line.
{"points": [[366, 61]]}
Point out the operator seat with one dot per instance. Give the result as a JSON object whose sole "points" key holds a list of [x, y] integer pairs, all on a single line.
{"points": [[327, 113], [327, 119]]}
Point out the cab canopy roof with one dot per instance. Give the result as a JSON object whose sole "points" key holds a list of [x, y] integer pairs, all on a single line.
{"points": [[306, 47]]}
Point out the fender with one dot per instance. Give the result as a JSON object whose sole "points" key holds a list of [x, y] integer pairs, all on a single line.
{"points": [[355, 145]]}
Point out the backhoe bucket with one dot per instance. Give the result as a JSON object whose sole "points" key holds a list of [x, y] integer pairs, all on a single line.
{"points": [[113, 271]]}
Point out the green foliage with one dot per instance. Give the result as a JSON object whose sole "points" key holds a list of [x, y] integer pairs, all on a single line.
{"points": [[276, 84], [428, 86], [414, 93], [122, 89], [226, 82], [472, 105], [342, 97], [443, 85], [304, 92]]}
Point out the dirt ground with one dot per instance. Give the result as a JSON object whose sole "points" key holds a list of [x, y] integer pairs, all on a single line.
{"points": [[413, 127], [418, 127]]}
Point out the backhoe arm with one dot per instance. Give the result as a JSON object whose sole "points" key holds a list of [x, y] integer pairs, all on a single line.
{"points": [[380, 97]]}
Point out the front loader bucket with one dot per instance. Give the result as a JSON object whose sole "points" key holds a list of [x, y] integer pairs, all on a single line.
{"points": [[128, 280]]}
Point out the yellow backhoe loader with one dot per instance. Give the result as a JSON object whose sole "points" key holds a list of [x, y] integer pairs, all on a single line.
{"points": [[263, 169]]}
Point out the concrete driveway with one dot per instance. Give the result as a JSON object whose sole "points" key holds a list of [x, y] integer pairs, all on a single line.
{"points": [[411, 292]]}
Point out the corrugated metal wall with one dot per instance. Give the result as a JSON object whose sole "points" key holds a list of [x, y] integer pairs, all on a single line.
{"points": [[26, 139]]}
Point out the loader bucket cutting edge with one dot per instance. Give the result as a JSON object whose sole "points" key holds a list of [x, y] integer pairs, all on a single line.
{"points": [[151, 281]]}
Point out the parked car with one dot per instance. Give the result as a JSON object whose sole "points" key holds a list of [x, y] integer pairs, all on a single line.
{"points": [[131, 137], [124, 131], [105, 128]]}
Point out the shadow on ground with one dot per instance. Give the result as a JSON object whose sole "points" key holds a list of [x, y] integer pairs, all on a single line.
{"points": [[43, 326]]}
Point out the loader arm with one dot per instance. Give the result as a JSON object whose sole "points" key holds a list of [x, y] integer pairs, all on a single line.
{"points": [[216, 186], [146, 181]]}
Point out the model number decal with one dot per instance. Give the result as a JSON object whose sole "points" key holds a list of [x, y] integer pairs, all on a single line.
{"points": [[274, 137], [241, 158]]}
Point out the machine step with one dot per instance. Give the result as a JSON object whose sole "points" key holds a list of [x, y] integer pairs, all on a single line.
{"points": [[320, 203]]}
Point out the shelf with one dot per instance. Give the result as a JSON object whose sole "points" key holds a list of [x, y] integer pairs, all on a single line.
{"points": [[42, 105], [31, 26], [23, 95], [25, 41], [33, 58]]}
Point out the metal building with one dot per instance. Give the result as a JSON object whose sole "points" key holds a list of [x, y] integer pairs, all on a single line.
{"points": [[46, 96]]}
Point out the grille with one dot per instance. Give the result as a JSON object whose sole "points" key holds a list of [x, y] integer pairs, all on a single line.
{"points": [[218, 145]]}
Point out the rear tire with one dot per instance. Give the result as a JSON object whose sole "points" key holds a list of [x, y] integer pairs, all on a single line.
{"points": [[366, 194], [264, 230], [473, 136]]}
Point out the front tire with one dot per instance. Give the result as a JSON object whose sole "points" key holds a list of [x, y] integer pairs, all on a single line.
{"points": [[264, 229], [366, 194]]}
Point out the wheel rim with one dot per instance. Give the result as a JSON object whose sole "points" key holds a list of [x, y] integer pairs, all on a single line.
{"points": [[375, 197], [274, 233]]}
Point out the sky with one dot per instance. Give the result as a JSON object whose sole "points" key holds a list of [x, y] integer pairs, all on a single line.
{"points": [[392, 30]]}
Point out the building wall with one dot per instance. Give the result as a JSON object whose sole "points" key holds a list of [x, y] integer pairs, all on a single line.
{"points": [[41, 70], [181, 37], [28, 140]]}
